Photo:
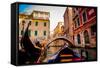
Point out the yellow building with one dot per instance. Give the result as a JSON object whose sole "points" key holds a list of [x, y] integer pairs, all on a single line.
{"points": [[23, 21], [40, 25], [58, 31]]}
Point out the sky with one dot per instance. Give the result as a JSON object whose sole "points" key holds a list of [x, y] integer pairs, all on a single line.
{"points": [[56, 12]]}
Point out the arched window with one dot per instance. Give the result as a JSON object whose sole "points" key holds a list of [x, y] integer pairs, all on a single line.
{"points": [[78, 39], [86, 37], [84, 18]]}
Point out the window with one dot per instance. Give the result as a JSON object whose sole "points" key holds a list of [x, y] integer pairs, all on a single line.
{"points": [[44, 33], [78, 22], [36, 33], [44, 23], [84, 17], [36, 14], [74, 11], [36, 23], [86, 37], [76, 8], [75, 24], [78, 39], [93, 29]]}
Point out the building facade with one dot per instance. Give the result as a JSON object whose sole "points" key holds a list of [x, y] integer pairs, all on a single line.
{"points": [[68, 24], [84, 27], [58, 31], [84, 31], [40, 25]]}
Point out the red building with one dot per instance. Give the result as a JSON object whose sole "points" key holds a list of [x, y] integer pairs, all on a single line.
{"points": [[84, 31], [84, 26]]}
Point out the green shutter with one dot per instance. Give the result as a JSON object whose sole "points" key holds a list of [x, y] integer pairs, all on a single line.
{"points": [[44, 23], [36, 33], [36, 23], [44, 33]]}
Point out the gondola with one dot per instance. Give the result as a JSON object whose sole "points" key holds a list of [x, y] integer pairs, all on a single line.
{"points": [[31, 53]]}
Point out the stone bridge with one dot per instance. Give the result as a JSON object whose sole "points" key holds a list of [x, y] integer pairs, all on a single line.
{"points": [[59, 38]]}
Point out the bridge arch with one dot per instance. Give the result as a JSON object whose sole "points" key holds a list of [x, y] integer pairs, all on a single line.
{"points": [[60, 38]]}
